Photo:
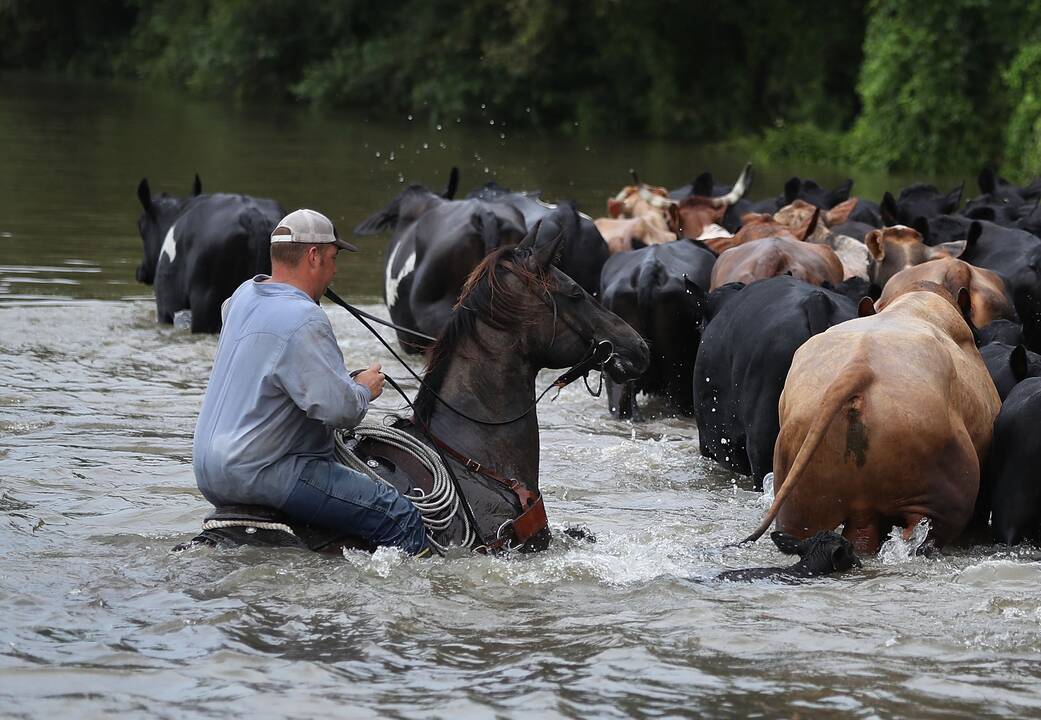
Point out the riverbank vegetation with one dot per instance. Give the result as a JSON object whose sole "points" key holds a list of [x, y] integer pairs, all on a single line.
{"points": [[906, 85]]}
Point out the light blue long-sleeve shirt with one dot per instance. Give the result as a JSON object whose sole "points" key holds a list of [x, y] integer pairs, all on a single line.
{"points": [[278, 389]]}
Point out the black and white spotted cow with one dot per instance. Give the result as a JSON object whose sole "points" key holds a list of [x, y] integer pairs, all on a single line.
{"points": [[198, 249], [434, 245]]}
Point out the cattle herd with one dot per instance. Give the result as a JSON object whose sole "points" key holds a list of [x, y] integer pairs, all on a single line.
{"points": [[878, 358]]}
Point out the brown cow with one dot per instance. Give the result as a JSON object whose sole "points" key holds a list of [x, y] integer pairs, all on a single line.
{"points": [[989, 300], [895, 248], [701, 217], [885, 420], [776, 256]]}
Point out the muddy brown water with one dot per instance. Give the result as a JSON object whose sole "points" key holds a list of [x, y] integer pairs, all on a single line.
{"points": [[97, 408]]}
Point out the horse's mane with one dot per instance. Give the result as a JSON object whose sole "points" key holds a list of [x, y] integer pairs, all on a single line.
{"points": [[487, 297]]}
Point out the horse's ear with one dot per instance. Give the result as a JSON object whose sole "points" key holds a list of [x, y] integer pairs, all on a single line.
{"points": [[197, 186], [866, 307], [144, 194]]}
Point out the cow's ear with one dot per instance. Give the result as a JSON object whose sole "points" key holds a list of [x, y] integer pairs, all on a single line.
{"points": [[921, 225], [953, 199], [866, 307], [887, 209], [197, 186], [789, 544], [144, 194], [672, 218], [987, 181], [615, 208], [811, 224], [840, 194], [948, 249], [965, 304], [1017, 362], [701, 186], [875, 245], [975, 230], [791, 190], [697, 297], [840, 213], [453, 184]]}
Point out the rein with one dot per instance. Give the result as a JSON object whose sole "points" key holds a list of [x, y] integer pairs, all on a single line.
{"points": [[532, 519], [596, 357]]}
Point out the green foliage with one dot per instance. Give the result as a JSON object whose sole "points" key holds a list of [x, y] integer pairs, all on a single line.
{"points": [[801, 144], [930, 84], [1023, 135]]}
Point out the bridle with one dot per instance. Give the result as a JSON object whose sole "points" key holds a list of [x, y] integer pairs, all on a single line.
{"points": [[532, 521]]}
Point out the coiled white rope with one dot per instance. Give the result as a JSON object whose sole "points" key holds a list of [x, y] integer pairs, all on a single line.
{"points": [[248, 524], [440, 507]]}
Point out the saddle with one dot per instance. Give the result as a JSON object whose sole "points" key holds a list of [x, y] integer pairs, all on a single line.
{"points": [[261, 526]]}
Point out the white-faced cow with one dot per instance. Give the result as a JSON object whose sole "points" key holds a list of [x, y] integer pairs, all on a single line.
{"points": [[198, 249]]}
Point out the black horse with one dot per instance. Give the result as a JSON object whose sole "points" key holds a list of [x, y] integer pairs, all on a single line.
{"points": [[517, 314]]}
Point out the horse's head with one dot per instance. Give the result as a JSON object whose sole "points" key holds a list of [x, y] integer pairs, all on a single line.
{"points": [[555, 322]]}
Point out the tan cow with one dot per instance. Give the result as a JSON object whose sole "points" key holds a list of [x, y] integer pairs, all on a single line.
{"points": [[624, 234], [989, 301], [885, 420], [895, 248], [772, 256]]}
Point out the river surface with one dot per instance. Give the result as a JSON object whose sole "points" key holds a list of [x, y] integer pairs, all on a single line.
{"points": [[98, 405]]}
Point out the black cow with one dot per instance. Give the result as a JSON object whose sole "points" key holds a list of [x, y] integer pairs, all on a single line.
{"points": [[823, 554], [197, 250], [918, 201], [1013, 489], [808, 190], [659, 291], [582, 259], [746, 350], [1013, 254], [435, 244]]}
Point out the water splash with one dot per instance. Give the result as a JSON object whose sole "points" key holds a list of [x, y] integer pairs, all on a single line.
{"points": [[896, 550], [767, 498]]}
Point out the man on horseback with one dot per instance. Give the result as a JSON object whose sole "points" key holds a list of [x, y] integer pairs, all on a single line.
{"points": [[279, 388]]}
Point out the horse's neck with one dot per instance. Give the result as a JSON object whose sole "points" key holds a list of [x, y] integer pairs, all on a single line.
{"points": [[491, 385]]}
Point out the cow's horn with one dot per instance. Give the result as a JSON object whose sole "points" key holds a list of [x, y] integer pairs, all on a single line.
{"points": [[744, 181]]}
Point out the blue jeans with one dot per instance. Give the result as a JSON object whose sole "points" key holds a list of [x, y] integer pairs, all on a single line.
{"points": [[334, 497]]}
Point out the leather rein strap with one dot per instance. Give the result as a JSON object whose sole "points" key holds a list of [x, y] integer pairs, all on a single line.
{"points": [[532, 519]]}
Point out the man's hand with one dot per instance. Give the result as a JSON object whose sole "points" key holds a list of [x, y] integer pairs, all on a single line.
{"points": [[372, 378]]}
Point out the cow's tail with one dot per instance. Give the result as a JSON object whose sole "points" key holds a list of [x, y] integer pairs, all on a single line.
{"points": [[835, 397], [652, 277]]}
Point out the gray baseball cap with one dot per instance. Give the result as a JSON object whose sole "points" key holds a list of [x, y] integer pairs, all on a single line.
{"points": [[309, 227]]}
